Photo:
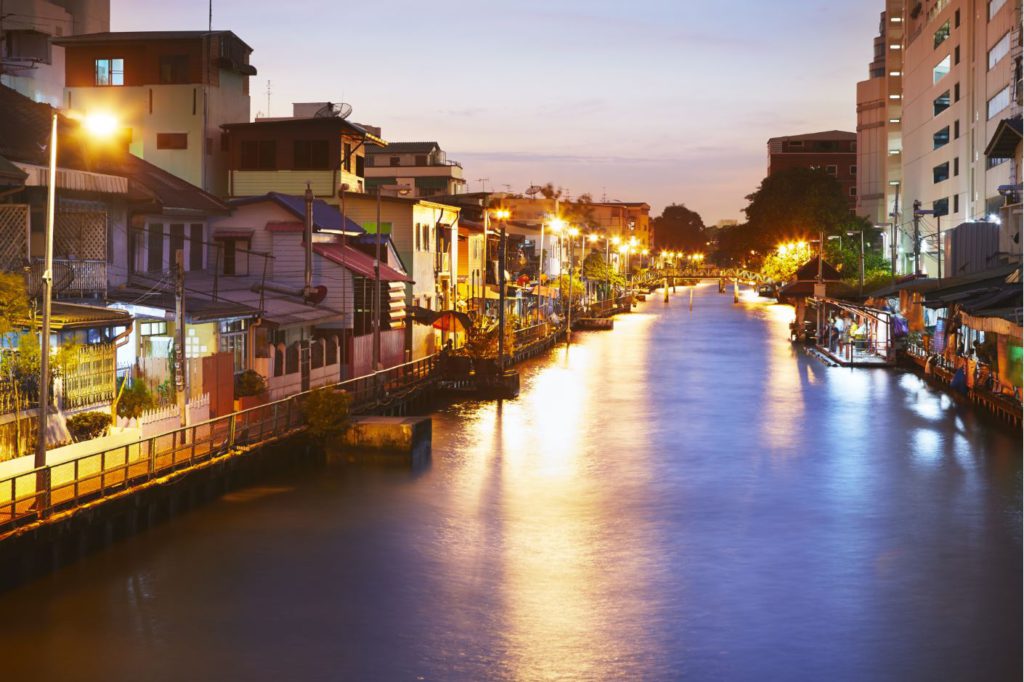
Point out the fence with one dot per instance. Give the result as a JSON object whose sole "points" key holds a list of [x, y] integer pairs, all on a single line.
{"points": [[40, 492]]}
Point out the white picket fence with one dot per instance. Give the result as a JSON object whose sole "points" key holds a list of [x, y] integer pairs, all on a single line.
{"points": [[153, 422]]}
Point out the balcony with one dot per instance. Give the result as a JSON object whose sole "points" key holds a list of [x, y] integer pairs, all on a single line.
{"points": [[72, 278]]}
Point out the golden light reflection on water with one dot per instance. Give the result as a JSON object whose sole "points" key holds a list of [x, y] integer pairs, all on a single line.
{"points": [[784, 395]]}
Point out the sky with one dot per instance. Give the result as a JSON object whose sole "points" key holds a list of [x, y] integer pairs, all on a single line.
{"points": [[663, 101]]}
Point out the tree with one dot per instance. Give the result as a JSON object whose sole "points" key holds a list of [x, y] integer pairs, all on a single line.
{"points": [[549, 191], [14, 304], [782, 263], [679, 229], [797, 203]]}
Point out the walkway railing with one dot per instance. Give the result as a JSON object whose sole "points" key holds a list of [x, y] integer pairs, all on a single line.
{"points": [[59, 487]]}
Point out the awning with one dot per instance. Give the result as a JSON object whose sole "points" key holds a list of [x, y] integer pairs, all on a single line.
{"points": [[1005, 139], [81, 181], [358, 262], [994, 325]]}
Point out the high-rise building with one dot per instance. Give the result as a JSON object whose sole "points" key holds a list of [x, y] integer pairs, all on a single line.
{"points": [[833, 151], [29, 61], [879, 118], [961, 80]]}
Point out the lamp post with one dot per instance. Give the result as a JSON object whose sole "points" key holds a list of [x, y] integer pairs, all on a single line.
{"points": [[402, 191], [502, 215], [573, 232], [97, 126]]}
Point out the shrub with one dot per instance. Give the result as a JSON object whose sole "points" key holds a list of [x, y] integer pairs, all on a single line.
{"points": [[135, 400], [88, 425], [326, 411], [249, 383]]}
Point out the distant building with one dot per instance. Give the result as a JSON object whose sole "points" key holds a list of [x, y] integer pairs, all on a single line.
{"points": [[879, 122], [172, 89], [30, 63], [833, 151], [421, 165]]}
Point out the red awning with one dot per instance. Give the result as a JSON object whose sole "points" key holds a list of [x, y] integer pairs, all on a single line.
{"points": [[358, 262]]}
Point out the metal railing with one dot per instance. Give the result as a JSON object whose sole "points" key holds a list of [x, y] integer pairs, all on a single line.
{"points": [[59, 487], [610, 305], [72, 278]]}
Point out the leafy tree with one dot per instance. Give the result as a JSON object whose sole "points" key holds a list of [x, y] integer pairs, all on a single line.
{"points": [[327, 413], [135, 399], [549, 191], [679, 229], [14, 303], [797, 203], [781, 264], [88, 425]]}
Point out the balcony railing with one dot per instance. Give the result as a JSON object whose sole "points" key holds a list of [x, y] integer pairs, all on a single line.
{"points": [[72, 278]]}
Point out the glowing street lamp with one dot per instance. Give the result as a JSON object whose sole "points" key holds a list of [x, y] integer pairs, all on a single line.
{"points": [[97, 126]]}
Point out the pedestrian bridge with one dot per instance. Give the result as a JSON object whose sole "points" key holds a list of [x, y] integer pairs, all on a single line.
{"points": [[740, 275]]}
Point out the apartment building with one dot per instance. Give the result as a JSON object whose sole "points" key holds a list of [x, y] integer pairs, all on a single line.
{"points": [[834, 151], [961, 80], [30, 63], [879, 118], [172, 90], [424, 166]]}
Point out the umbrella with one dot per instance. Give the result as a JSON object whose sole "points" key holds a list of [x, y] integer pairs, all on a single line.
{"points": [[453, 321]]}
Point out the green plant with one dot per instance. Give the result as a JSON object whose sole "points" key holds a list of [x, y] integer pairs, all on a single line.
{"points": [[249, 383], [135, 399], [88, 425], [327, 413]]}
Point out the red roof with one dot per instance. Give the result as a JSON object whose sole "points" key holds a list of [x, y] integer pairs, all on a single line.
{"points": [[358, 262]]}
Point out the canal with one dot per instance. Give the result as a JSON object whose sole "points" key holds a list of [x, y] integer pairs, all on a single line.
{"points": [[688, 496]]}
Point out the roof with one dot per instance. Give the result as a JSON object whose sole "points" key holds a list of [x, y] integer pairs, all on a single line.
{"points": [[808, 272], [805, 289], [406, 148], [140, 36], [76, 316], [325, 216], [358, 262], [10, 172], [197, 308], [1005, 139], [24, 138], [823, 135], [326, 121]]}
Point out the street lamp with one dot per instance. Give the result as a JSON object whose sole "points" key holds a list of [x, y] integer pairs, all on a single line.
{"points": [[402, 190], [97, 126]]}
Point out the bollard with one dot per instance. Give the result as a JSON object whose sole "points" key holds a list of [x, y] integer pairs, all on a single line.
{"points": [[666, 290], [691, 299]]}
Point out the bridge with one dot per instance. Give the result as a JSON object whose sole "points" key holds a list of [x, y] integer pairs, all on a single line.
{"points": [[657, 276]]}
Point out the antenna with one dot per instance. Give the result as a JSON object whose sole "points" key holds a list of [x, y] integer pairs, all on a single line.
{"points": [[209, 26], [508, 188], [268, 98], [482, 185]]}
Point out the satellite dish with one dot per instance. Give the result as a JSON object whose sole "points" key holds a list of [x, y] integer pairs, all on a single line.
{"points": [[533, 189], [316, 295], [331, 110]]}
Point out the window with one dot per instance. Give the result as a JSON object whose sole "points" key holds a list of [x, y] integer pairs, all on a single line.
{"points": [[994, 6], [941, 207], [999, 50], [153, 329], [232, 340], [956, 129], [853, 171], [895, 74], [155, 248], [940, 138], [940, 172], [956, 166], [941, 103], [174, 68], [894, 121], [311, 155], [259, 155], [853, 191], [347, 151], [942, 34], [360, 165], [956, 19], [956, 54], [419, 240], [895, 46], [940, 70], [999, 101], [195, 246], [796, 143], [956, 92], [895, 97], [28, 45], [832, 170], [994, 161], [396, 161], [172, 140], [956, 203], [109, 72], [177, 242]]}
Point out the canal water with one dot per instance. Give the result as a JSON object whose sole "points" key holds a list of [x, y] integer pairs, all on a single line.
{"points": [[688, 496]]}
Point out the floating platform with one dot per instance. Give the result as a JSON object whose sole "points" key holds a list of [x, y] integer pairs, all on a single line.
{"points": [[389, 435]]}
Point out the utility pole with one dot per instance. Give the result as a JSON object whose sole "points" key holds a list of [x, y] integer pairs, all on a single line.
{"points": [[307, 236], [938, 243], [180, 370], [501, 301], [568, 313], [376, 290], [43, 479], [895, 220], [917, 237]]}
